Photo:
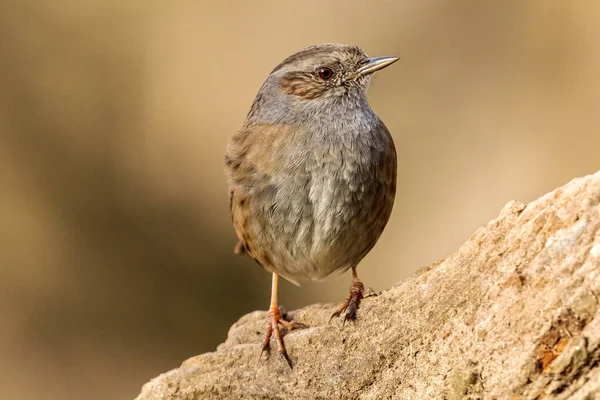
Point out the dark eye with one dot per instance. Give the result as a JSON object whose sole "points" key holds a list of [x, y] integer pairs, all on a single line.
{"points": [[325, 73]]}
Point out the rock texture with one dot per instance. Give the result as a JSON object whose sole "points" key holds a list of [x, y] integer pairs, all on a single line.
{"points": [[513, 314]]}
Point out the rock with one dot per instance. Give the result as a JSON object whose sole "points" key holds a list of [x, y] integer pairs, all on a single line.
{"points": [[513, 314]]}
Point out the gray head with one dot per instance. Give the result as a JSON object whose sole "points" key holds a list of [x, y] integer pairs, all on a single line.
{"points": [[315, 79]]}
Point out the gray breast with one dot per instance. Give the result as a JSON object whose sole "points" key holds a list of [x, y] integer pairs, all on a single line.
{"points": [[331, 204]]}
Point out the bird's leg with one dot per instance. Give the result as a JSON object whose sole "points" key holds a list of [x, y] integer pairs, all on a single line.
{"points": [[274, 320], [352, 302]]}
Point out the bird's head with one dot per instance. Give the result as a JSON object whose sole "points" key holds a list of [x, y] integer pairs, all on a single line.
{"points": [[323, 79], [327, 70]]}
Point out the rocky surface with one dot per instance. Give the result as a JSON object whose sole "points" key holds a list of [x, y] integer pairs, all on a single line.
{"points": [[513, 314]]}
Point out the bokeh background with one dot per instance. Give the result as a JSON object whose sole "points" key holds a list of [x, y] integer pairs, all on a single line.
{"points": [[116, 256]]}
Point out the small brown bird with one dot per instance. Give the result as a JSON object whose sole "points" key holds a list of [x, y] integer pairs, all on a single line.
{"points": [[312, 173]]}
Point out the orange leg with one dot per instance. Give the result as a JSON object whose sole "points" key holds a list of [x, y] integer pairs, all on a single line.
{"points": [[276, 319], [352, 302]]}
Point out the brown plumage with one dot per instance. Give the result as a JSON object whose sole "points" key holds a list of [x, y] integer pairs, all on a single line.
{"points": [[312, 174]]}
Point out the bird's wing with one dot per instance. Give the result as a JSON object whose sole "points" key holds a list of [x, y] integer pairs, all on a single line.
{"points": [[254, 156]]}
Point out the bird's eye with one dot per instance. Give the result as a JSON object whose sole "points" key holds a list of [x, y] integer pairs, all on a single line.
{"points": [[325, 73]]}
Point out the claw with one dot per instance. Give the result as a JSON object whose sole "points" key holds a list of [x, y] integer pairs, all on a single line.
{"points": [[287, 359], [337, 312], [351, 303], [291, 325], [266, 347], [276, 319]]}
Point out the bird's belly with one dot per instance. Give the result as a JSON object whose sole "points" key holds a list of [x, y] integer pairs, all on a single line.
{"points": [[328, 223]]}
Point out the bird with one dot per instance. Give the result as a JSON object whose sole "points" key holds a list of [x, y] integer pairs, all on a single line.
{"points": [[312, 174]]}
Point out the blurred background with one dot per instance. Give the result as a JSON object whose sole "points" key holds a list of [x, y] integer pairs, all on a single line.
{"points": [[116, 258]]}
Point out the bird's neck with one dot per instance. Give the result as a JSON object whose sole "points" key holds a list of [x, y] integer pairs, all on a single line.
{"points": [[323, 115]]}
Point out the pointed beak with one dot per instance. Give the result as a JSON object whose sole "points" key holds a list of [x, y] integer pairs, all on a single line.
{"points": [[370, 65]]}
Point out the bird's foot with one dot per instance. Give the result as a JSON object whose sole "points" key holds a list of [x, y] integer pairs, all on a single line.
{"points": [[278, 316], [352, 302]]}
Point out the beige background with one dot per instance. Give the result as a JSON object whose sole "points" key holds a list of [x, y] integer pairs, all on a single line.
{"points": [[115, 238]]}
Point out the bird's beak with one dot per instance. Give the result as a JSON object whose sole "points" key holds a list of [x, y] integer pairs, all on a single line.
{"points": [[370, 65]]}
